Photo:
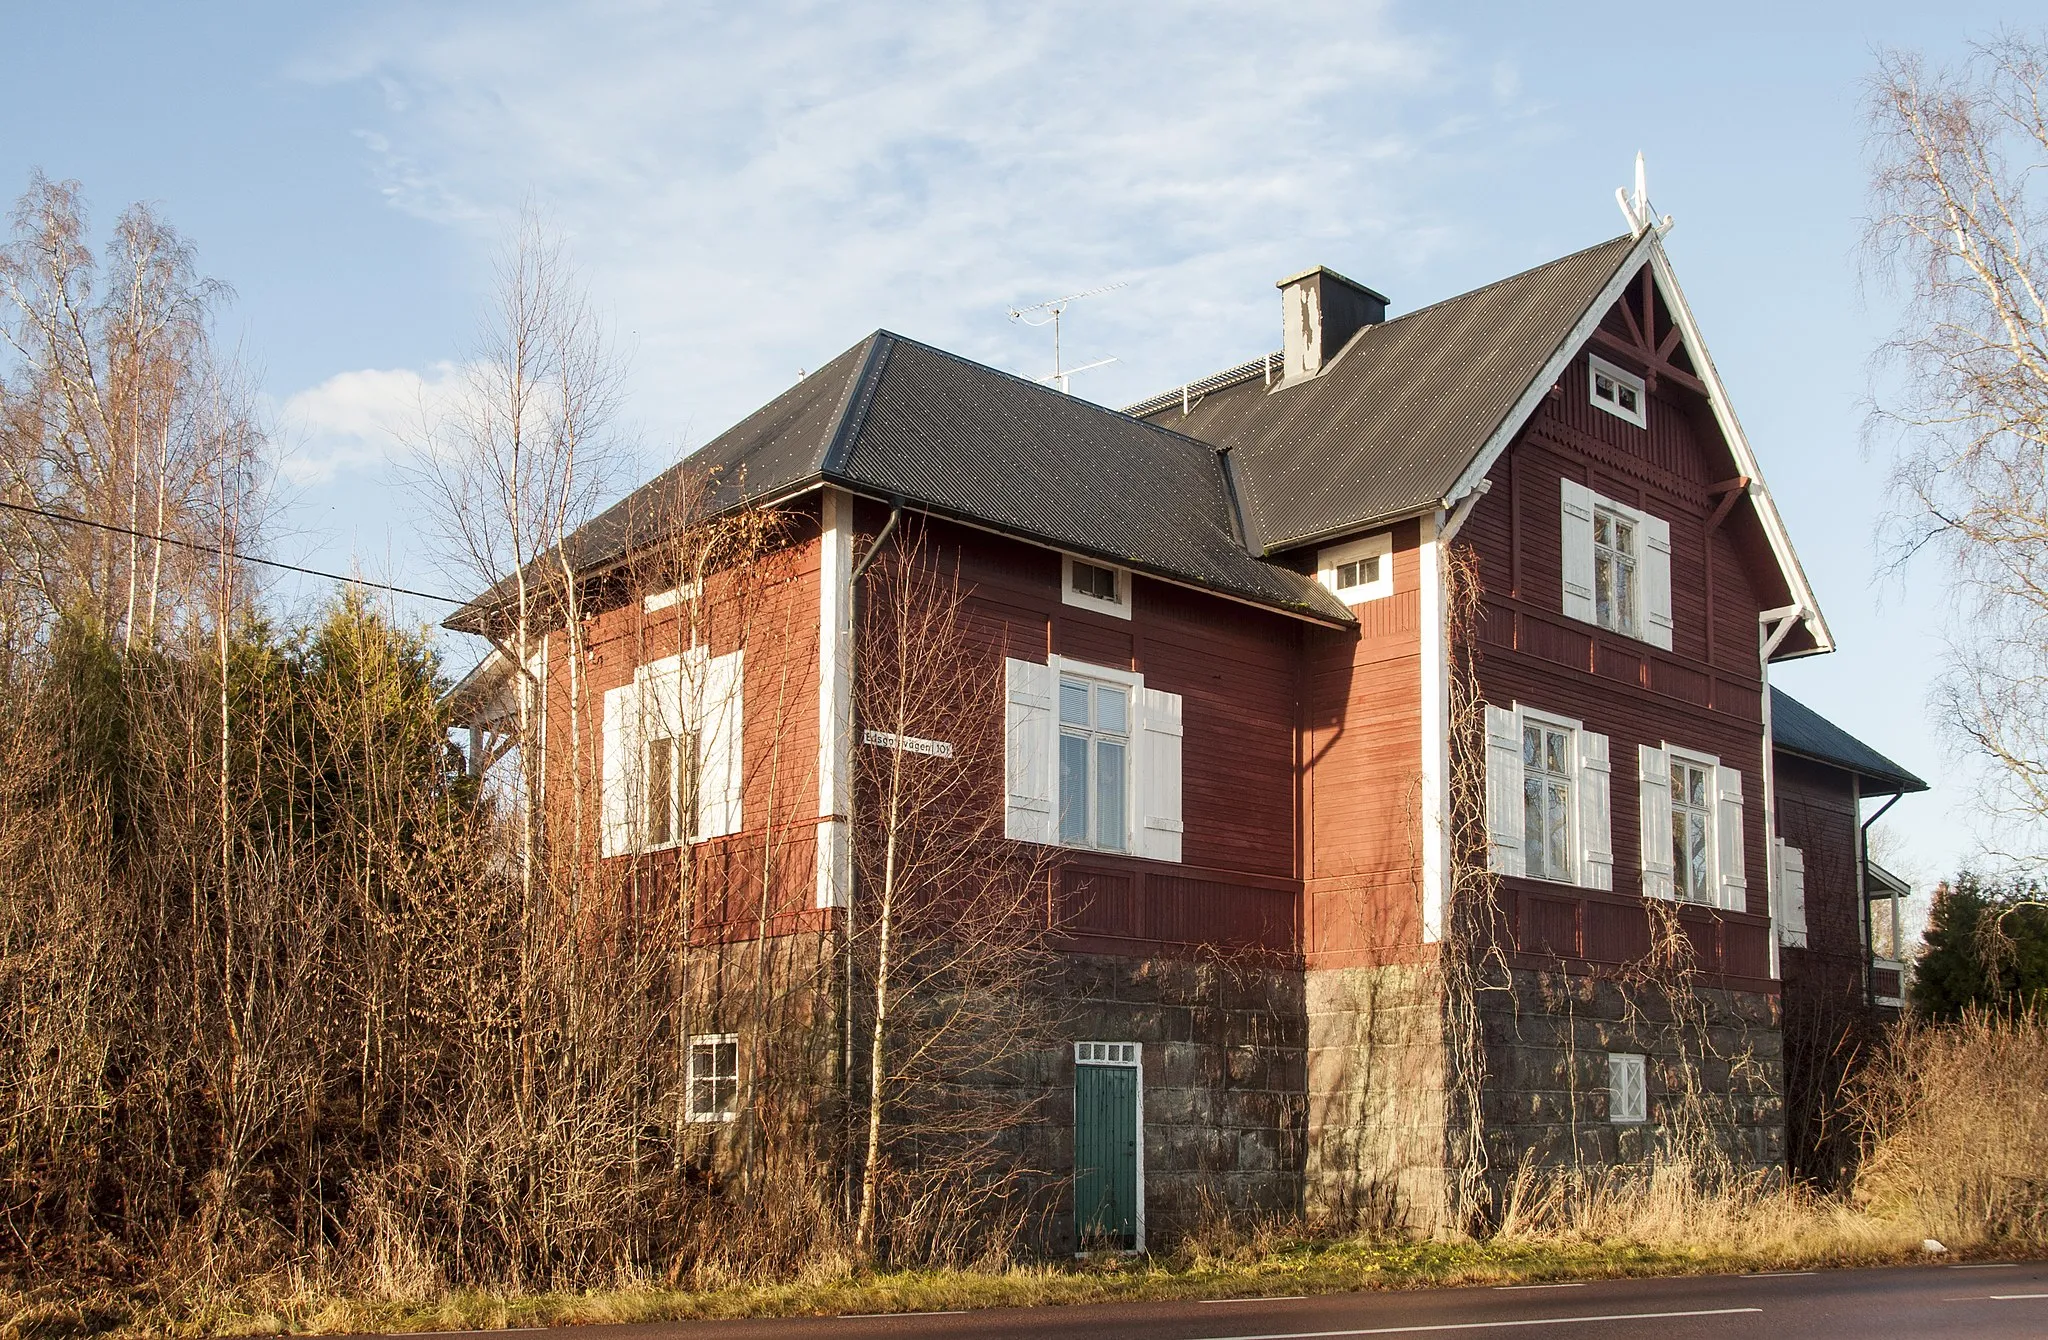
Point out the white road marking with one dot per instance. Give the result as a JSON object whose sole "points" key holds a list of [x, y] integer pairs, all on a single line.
{"points": [[1272, 1298], [1505, 1288], [2009, 1297], [1491, 1325]]}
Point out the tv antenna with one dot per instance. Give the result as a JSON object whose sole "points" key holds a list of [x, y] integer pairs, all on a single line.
{"points": [[1048, 313]]}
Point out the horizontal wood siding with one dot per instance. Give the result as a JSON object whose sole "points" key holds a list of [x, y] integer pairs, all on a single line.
{"points": [[1817, 814], [1705, 694], [1236, 671], [1362, 791]]}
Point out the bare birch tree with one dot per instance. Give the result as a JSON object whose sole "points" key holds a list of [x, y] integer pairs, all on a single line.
{"points": [[1959, 160], [948, 922], [114, 407], [510, 471]]}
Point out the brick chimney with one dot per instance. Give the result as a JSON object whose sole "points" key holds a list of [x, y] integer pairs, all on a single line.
{"points": [[1320, 310]]}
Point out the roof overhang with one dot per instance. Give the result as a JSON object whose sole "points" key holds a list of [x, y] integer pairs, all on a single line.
{"points": [[1649, 250]]}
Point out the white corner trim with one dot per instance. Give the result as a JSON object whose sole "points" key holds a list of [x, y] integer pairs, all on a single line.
{"points": [[835, 696], [1119, 608], [1435, 659]]}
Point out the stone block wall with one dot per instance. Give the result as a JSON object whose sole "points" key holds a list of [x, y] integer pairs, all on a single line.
{"points": [[1376, 1137], [1720, 1057]]}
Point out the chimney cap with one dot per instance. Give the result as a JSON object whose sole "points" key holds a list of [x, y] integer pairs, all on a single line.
{"points": [[1327, 273]]}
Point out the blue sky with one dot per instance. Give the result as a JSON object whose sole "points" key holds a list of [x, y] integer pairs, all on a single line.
{"points": [[750, 189]]}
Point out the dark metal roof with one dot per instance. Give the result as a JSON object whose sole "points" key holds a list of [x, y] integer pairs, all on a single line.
{"points": [[1391, 424], [1798, 729], [894, 418]]}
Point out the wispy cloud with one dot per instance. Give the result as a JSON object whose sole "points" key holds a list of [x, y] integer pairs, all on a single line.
{"points": [[361, 420], [752, 188]]}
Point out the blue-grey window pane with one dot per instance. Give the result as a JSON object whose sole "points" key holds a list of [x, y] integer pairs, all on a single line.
{"points": [[1532, 825], [1109, 791], [1073, 702], [1073, 788], [1111, 706]]}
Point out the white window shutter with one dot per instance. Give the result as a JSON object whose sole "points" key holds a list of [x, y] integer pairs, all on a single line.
{"points": [[720, 719], [1027, 762], [1655, 578], [1159, 747], [1653, 770], [1504, 791], [1728, 838], [1596, 808], [1791, 896], [621, 767], [1576, 513]]}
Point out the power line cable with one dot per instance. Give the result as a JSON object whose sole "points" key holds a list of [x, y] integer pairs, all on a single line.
{"points": [[211, 549]]}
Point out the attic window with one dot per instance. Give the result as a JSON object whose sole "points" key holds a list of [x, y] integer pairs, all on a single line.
{"points": [[1620, 393], [1095, 586], [1359, 571]]}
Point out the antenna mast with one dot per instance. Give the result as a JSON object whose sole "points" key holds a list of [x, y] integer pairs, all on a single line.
{"points": [[1049, 313]]}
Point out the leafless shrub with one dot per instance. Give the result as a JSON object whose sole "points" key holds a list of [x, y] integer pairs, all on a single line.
{"points": [[1957, 1128]]}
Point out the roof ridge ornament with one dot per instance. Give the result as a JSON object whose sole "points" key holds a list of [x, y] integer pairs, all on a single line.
{"points": [[1636, 208]]}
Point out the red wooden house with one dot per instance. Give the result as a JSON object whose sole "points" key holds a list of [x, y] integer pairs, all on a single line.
{"points": [[1247, 628]]}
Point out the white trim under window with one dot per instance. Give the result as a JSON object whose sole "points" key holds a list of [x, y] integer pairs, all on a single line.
{"points": [[1359, 571], [1102, 587], [1628, 1089], [1548, 798], [712, 1092], [1617, 390]]}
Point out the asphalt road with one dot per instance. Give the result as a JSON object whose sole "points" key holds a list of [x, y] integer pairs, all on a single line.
{"points": [[1921, 1302]]}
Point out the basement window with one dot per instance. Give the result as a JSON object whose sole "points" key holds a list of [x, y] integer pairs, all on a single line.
{"points": [[714, 1089], [1620, 393], [1095, 586], [1628, 1099]]}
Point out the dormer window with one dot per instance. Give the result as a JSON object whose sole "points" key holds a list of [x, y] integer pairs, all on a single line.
{"points": [[1620, 393], [1359, 571], [1095, 586]]}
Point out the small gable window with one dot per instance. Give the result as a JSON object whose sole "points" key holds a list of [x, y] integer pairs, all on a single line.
{"points": [[1619, 393], [1096, 586], [1359, 571]]}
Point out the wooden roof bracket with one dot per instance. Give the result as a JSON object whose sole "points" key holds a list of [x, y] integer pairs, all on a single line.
{"points": [[1729, 490], [1462, 509], [1787, 618]]}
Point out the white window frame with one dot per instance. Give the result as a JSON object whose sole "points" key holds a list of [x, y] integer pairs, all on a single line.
{"points": [[1131, 1056], [1525, 719], [1119, 608], [1591, 822], [1628, 1078], [1597, 367], [713, 1040], [1580, 506], [1064, 670], [1630, 623], [1378, 548], [1675, 757], [685, 771], [1154, 779]]}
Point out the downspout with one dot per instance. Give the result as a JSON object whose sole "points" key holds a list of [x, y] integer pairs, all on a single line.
{"points": [[1863, 895], [851, 802], [1786, 618]]}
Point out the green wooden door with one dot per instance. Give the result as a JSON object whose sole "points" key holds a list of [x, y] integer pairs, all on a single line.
{"points": [[1106, 1157]]}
